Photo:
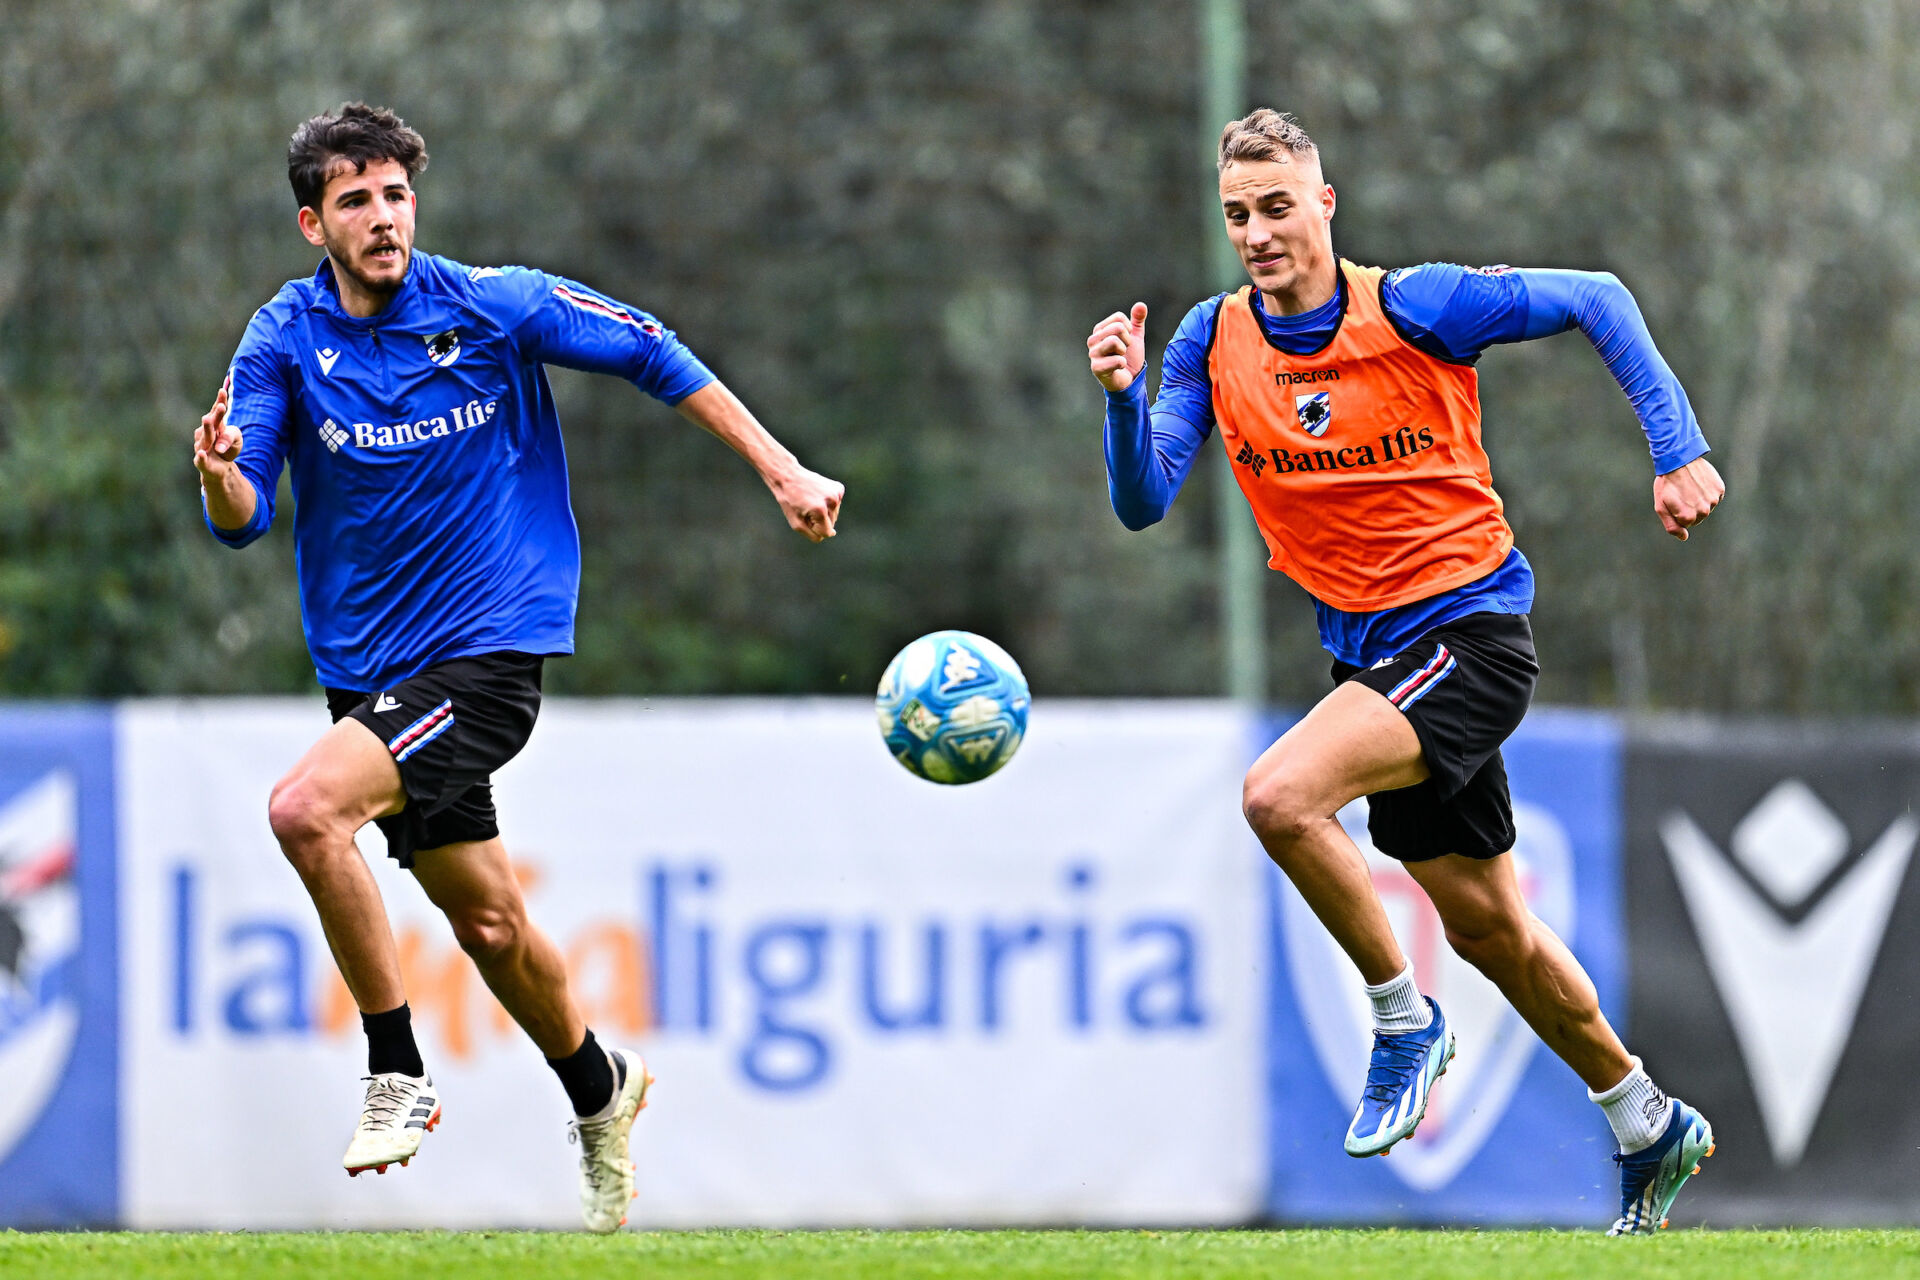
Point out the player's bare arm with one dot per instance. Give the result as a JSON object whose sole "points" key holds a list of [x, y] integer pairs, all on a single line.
{"points": [[1117, 348], [1685, 497], [809, 500], [216, 449]]}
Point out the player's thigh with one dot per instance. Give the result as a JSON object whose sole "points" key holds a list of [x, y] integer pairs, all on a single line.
{"points": [[1352, 744], [347, 776]]}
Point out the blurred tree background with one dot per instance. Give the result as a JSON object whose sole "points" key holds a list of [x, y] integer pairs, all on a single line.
{"points": [[891, 226]]}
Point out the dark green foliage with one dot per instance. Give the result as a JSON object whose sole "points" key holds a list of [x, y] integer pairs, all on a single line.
{"points": [[889, 227]]}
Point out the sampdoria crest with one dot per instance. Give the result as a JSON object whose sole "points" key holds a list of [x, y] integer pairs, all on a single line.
{"points": [[1315, 411], [444, 348]]}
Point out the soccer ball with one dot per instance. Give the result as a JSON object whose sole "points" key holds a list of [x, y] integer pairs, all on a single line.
{"points": [[953, 707]]}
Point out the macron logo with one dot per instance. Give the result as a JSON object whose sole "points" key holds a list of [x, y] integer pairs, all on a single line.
{"points": [[386, 703], [1792, 1032], [326, 356]]}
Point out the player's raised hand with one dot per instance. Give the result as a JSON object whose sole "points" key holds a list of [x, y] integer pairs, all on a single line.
{"points": [[810, 501], [1117, 348], [1685, 497], [215, 444]]}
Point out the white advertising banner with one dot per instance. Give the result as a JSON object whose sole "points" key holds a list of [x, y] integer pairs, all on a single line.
{"points": [[867, 999]]}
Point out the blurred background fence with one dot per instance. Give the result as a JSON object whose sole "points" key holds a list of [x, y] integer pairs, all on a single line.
{"points": [[890, 227]]}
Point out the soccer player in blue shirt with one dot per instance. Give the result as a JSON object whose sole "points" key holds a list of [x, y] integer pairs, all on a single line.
{"points": [[1350, 409], [439, 566]]}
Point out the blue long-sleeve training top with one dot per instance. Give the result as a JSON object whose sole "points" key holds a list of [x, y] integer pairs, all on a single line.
{"points": [[431, 516], [1449, 311]]}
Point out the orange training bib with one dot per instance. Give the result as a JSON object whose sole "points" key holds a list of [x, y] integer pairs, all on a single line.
{"points": [[1362, 461]]}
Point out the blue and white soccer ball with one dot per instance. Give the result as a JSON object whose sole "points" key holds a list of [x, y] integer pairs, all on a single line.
{"points": [[953, 707]]}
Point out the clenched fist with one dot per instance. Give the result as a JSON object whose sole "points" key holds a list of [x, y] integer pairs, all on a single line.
{"points": [[1117, 348]]}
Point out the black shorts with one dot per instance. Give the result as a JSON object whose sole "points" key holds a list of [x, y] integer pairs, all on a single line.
{"points": [[448, 728], [1464, 687]]}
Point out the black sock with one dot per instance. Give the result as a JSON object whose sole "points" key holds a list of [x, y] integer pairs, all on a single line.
{"points": [[390, 1045], [587, 1076]]}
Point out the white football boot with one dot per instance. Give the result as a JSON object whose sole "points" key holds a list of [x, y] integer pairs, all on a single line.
{"points": [[606, 1171], [398, 1112]]}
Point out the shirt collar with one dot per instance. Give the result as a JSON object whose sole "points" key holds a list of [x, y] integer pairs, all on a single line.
{"points": [[326, 292], [1321, 317]]}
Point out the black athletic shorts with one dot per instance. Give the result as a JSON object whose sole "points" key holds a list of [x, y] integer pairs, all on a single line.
{"points": [[448, 728], [1464, 687]]}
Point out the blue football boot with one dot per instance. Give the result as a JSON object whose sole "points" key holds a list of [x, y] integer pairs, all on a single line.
{"points": [[1399, 1080], [1651, 1178]]}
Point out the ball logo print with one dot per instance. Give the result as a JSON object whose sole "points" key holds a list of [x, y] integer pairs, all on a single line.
{"points": [[39, 947], [961, 670], [1496, 1046], [952, 707]]}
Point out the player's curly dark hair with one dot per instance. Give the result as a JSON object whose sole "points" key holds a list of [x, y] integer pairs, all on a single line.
{"points": [[1264, 134], [357, 132]]}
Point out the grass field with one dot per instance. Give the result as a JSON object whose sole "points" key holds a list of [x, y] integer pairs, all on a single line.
{"points": [[1002, 1255]]}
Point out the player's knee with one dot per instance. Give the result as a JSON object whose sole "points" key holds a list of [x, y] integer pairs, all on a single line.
{"points": [[1276, 806], [301, 817], [487, 931]]}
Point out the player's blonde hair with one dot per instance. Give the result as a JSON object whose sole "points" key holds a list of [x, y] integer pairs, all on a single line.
{"points": [[1265, 134]]}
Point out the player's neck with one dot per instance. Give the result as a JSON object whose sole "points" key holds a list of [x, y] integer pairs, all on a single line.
{"points": [[356, 299], [1310, 289]]}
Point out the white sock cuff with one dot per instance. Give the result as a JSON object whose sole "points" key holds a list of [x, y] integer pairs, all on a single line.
{"points": [[1404, 976], [1636, 1110], [1398, 1006], [1619, 1091]]}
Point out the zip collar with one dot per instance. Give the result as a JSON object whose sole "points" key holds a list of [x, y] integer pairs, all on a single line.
{"points": [[326, 294]]}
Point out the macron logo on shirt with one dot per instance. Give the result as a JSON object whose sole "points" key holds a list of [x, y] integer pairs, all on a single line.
{"points": [[326, 358]]}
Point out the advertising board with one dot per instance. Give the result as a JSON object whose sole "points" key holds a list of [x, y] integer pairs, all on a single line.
{"points": [[868, 999], [59, 1015], [1772, 890]]}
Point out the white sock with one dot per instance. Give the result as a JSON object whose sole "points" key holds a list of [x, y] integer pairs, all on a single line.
{"points": [[1398, 1006], [1637, 1108]]}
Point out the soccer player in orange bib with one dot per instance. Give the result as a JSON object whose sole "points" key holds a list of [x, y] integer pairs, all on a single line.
{"points": [[1347, 399]]}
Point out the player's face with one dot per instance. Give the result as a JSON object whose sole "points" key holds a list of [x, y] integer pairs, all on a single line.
{"points": [[365, 222], [1279, 216]]}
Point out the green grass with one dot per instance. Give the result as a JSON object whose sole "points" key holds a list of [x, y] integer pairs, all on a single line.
{"points": [[999, 1255]]}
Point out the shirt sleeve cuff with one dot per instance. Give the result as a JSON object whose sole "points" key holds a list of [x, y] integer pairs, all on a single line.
{"points": [[254, 527], [1680, 455], [695, 379]]}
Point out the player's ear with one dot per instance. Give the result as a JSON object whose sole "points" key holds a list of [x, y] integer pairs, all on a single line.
{"points": [[310, 226], [1326, 200]]}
